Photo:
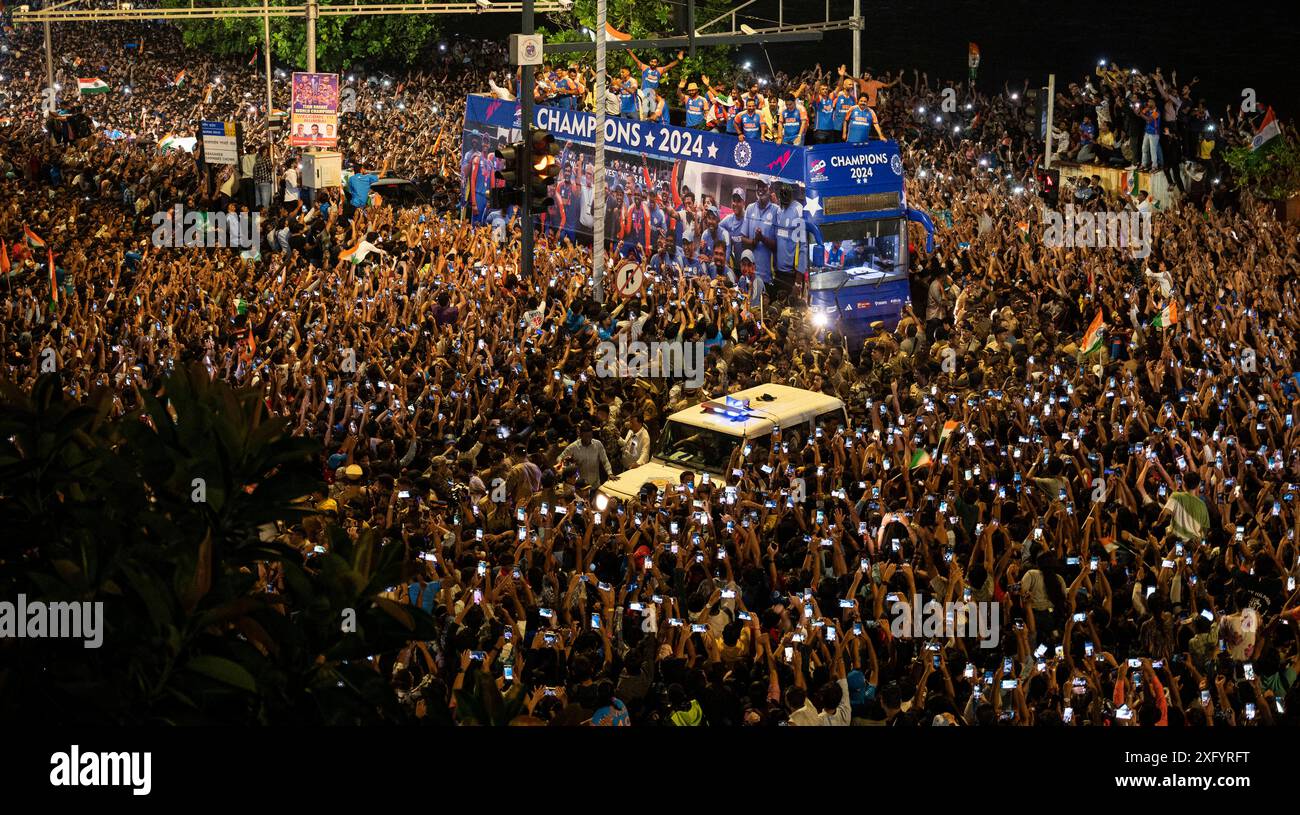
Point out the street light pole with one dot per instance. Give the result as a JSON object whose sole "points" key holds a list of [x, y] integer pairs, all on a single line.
{"points": [[525, 123], [857, 39], [266, 46], [598, 172], [1051, 110], [49, 59], [312, 11]]}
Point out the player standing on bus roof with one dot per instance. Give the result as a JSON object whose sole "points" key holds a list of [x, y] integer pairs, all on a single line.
{"points": [[725, 108], [794, 122], [860, 123], [658, 107], [651, 75], [749, 125], [564, 89], [697, 107], [760, 231], [627, 96], [844, 96], [823, 103]]}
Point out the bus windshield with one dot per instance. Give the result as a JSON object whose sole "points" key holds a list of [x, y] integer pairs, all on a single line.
{"points": [[687, 446], [856, 251]]}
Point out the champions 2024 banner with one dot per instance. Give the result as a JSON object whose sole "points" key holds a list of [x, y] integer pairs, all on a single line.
{"points": [[658, 164], [314, 114]]}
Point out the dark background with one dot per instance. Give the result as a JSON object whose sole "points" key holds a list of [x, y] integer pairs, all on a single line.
{"points": [[1229, 45]]}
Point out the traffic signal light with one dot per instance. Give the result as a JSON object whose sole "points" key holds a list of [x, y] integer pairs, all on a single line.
{"points": [[511, 176], [544, 169]]}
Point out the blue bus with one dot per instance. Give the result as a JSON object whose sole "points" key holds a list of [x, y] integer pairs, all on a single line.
{"points": [[688, 196]]}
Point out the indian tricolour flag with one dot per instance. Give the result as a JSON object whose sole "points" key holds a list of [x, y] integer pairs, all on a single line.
{"points": [[180, 77], [54, 277], [1092, 338], [168, 143], [949, 427], [356, 254], [919, 459], [614, 34], [1167, 316], [92, 85], [34, 241], [1267, 130]]}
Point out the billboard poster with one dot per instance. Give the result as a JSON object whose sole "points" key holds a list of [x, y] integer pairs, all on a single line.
{"points": [[314, 114], [220, 142]]}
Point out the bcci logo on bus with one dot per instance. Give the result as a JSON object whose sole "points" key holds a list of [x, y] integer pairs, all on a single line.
{"points": [[742, 154], [817, 172]]}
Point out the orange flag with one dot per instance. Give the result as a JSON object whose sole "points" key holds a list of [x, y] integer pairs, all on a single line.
{"points": [[54, 277]]}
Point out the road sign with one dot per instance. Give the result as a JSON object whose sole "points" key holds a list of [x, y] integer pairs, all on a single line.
{"points": [[220, 142], [628, 279]]}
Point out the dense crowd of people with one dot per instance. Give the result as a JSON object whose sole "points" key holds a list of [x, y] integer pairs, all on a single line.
{"points": [[1128, 510]]}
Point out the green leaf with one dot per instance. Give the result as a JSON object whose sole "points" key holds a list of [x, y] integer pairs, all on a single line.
{"points": [[223, 670]]}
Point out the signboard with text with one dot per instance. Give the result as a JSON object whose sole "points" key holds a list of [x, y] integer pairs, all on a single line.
{"points": [[220, 142], [314, 114]]}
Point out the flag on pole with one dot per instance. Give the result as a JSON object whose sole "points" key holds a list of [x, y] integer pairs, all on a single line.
{"points": [[180, 77], [919, 459], [1092, 338], [1267, 130], [92, 85], [973, 56], [33, 240], [948, 428], [54, 277], [1167, 316], [614, 34]]}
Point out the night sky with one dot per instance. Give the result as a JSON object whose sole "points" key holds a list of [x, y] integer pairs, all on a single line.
{"points": [[1230, 46]]}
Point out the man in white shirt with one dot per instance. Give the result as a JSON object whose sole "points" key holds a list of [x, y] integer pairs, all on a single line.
{"points": [[1162, 279], [636, 444], [291, 183]]}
